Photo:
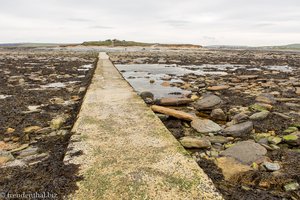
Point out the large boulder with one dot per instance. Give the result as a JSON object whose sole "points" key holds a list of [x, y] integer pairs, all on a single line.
{"points": [[246, 152], [208, 102], [239, 130], [205, 126]]}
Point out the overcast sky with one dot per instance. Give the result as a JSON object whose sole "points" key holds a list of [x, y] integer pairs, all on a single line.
{"points": [[206, 22]]}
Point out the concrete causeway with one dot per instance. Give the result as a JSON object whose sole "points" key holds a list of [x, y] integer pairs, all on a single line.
{"points": [[125, 152]]}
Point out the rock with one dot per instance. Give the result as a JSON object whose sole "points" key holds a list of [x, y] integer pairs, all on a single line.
{"points": [[282, 115], [10, 130], [152, 81], [291, 139], [239, 130], [7, 146], [5, 157], [218, 87], [57, 122], [231, 167], [298, 91], [145, 95], [241, 117], [274, 140], [208, 102], [291, 130], [205, 126], [31, 129], [20, 148], [172, 112], [291, 186], [174, 101], [246, 152], [27, 152], [57, 100], [194, 142], [259, 116], [218, 114], [218, 139], [266, 98], [165, 84], [257, 107], [194, 97], [271, 166]]}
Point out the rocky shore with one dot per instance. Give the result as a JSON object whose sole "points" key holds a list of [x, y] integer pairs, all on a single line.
{"points": [[241, 126], [40, 96]]}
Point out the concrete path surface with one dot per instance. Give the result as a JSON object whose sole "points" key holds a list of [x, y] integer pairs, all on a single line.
{"points": [[126, 151]]}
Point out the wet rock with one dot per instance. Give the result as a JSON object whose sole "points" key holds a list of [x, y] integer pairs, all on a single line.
{"points": [[259, 116], [5, 157], [174, 101], [148, 97], [194, 142], [218, 87], [231, 167], [271, 166], [218, 114], [246, 152], [266, 98], [31, 129], [291, 186], [239, 130], [208, 102], [205, 126], [165, 84]]}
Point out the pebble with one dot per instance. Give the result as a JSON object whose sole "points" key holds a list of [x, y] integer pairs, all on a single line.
{"points": [[271, 166], [291, 186]]}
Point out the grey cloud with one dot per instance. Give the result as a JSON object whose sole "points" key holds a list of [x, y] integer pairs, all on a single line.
{"points": [[255, 22]]}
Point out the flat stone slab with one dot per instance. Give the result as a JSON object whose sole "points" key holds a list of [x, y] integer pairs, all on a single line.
{"points": [[125, 150]]}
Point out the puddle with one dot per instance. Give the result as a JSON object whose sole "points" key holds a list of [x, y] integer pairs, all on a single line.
{"points": [[4, 96], [284, 68], [139, 75], [85, 67], [54, 85], [59, 84]]}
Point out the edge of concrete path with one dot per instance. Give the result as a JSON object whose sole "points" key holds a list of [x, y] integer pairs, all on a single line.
{"points": [[124, 151]]}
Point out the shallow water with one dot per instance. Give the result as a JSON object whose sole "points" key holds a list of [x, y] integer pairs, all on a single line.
{"points": [[139, 75]]}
